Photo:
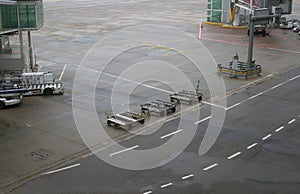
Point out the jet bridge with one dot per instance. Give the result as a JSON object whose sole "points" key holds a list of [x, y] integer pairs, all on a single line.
{"points": [[237, 12]]}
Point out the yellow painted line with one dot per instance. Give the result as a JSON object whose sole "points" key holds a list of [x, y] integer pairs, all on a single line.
{"points": [[214, 23], [225, 25], [233, 27]]}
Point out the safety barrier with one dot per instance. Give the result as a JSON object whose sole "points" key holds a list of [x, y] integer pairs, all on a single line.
{"points": [[242, 70]]}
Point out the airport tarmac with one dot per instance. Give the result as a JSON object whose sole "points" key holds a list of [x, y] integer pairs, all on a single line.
{"points": [[41, 134]]}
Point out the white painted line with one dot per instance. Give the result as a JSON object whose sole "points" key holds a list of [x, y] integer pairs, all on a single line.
{"points": [[256, 95], [291, 121], [187, 177], [279, 129], [211, 104], [234, 155], [125, 150], [61, 169], [210, 167], [237, 104], [252, 146], [231, 107], [170, 134], [166, 185], [147, 192], [294, 78], [196, 123], [132, 81], [266, 137], [274, 87], [125, 79], [62, 73]]}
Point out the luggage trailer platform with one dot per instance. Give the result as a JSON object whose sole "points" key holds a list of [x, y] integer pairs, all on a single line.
{"points": [[159, 107], [127, 120], [185, 96]]}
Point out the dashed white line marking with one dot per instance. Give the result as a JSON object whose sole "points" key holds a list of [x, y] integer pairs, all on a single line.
{"points": [[187, 177], [147, 192], [252, 146], [170, 134], [210, 167], [166, 185], [291, 121], [256, 95], [196, 123], [279, 129], [266, 137], [61, 169], [125, 150], [234, 155]]}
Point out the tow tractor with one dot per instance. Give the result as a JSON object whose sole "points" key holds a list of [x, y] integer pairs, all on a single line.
{"points": [[33, 83], [127, 120], [159, 107]]}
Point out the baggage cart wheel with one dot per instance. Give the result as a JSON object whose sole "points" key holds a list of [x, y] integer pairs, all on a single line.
{"points": [[173, 109], [142, 121], [163, 113]]}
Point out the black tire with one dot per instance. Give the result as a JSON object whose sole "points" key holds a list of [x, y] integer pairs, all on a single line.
{"points": [[144, 109], [174, 100], [264, 33], [48, 91], [2, 105], [200, 98], [173, 110], [110, 124], [142, 121]]}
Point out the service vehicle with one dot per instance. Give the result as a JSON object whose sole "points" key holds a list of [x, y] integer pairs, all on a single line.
{"points": [[34, 83], [10, 99], [42, 83], [287, 25]]}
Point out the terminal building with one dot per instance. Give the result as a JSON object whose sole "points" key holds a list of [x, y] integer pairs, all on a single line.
{"points": [[236, 12]]}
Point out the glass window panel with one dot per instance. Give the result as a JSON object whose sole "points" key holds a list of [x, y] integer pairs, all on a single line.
{"points": [[217, 4]]}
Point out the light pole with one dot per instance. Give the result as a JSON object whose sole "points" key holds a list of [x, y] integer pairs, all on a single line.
{"points": [[251, 37], [21, 38]]}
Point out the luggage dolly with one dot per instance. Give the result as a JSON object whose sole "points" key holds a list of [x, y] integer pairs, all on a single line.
{"points": [[159, 107], [127, 120]]}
